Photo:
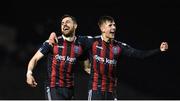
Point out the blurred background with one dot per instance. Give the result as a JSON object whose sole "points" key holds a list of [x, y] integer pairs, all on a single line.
{"points": [[25, 25]]}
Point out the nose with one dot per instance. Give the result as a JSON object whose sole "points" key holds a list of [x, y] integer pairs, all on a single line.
{"points": [[64, 24], [114, 27]]}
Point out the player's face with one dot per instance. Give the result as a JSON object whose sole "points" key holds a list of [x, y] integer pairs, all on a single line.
{"points": [[109, 28], [68, 26]]}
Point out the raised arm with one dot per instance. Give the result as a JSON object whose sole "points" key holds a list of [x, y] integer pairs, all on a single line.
{"points": [[164, 46], [132, 52]]}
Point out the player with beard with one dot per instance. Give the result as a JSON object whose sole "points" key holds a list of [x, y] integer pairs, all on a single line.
{"points": [[62, 60]]}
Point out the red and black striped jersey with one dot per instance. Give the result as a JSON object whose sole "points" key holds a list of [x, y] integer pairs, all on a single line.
{"points": [[104, 57], [62, 59]]}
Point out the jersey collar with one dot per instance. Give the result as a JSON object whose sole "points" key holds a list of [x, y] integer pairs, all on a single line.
{"points": [[70, 39]]}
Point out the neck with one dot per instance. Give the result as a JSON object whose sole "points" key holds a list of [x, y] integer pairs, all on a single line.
{"points": [[106, 39], [70, 38]]}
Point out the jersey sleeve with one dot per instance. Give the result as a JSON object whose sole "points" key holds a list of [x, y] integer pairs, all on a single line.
{"points": [[86, 42], [45, 48], [129, 51]]}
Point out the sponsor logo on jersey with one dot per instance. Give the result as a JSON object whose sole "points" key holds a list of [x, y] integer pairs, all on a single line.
{"points": [[65, 58], [105, 60]]}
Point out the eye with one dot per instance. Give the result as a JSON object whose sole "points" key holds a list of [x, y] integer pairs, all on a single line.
{"points": [[114, 25], [68, 21], [62, 23]]}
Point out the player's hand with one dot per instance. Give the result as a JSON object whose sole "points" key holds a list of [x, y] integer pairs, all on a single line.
{"points": [[87, 66], [164, 46], [53, 38], [30, 80]]}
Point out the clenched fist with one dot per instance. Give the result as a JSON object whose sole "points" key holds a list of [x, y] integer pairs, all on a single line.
{"points": [[164, 46]]}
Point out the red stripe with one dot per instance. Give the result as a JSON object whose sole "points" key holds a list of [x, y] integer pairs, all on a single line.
{"points": [[53, 66], [119, 51], [72, 55], [103, 53], [95, 78], [80, 50], [110, 69], [62, 63]]}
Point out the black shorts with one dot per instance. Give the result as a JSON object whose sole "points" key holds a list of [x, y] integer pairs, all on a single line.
{"points": [[58, 93], [99, 95]]}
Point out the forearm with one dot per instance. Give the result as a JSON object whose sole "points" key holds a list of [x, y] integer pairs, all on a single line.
{"points": [[32, 64], [29, 77], [145, 54]]}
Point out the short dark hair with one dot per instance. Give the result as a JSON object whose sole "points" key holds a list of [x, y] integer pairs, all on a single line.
{"points": [[72, 17], [103, 19]]}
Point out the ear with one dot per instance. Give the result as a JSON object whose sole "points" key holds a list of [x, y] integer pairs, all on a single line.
{"points": [[75, 26], [102, 29]]}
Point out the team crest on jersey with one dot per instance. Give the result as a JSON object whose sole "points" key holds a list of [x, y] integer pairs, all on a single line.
{"points": [[115, 50], [76, 49]]}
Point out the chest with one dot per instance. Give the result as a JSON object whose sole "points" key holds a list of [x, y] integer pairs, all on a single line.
{"points": [[67, 52], [103, 50]]}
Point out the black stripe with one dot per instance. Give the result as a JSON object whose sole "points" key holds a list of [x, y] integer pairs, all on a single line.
{"points": [[66, 66], [57, 70], [98, 65], [113, 66], [58, 62], [106, 71]]}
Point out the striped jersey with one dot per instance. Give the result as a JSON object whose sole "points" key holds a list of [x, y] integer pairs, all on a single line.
{"points": [[62, 59], [104, 57]]}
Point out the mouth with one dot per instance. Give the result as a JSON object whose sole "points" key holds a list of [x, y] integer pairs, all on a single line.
{"points": [[66, 28], [112, 32]]}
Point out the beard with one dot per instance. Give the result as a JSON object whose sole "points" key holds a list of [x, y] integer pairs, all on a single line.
{"points": [[69, 33]]}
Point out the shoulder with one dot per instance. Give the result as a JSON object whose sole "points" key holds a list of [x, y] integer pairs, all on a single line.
{"points": [[46, 43], [84, 38], [88, 37], [120, 43], [97, 37]]}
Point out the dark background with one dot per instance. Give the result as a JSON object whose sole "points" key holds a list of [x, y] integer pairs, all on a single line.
{"points": [[25, 25]]}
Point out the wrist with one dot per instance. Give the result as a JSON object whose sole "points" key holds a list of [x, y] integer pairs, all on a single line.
{"points": [[29, 72]]}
